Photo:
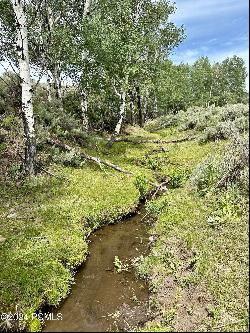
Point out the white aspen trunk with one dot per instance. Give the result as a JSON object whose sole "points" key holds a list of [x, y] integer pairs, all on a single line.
{"points": [[132, 109], [86, 10], [56, 74], [210, 95], [122, 112], [84, 109], [48, 87], [24, 71], [155, 105], [58, 86], [84, 100], [139, 106]]}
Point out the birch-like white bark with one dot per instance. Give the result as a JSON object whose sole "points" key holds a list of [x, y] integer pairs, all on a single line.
{"points": [[24, 72], [56, 72], [84, 109], [122, 112], [86, 10], [155, 106], [132, 107], [48, 87]]}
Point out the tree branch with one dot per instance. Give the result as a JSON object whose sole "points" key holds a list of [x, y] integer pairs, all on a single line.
{"points": [[83, 155]]}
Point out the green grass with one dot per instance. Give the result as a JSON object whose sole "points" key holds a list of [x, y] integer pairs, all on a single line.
{"points": [[202, 247], [46, 222]]}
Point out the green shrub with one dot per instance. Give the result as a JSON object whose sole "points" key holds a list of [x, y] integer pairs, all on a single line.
{"points": [[71, 158], [10, 122], [162, 122], [230, 168], [177, 177], [215, 123], [142, 185], [155, 207]]}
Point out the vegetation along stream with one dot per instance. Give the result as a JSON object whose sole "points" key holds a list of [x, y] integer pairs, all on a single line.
{"points": [[99, 109], [106, 288]]}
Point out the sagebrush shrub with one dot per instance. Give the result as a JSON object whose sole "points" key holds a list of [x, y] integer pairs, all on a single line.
{"points": [[230, 168], [162, 122]]}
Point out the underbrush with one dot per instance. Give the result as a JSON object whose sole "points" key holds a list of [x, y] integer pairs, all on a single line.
{"points": [[198, 264], [211, 123], [197, 267], [45, 224]]}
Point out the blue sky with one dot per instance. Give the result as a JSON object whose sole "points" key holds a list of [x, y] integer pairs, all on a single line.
{"points": [[214, 28]]}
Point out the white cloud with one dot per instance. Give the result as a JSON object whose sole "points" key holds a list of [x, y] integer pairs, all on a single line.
{"points": [[199, 9]]}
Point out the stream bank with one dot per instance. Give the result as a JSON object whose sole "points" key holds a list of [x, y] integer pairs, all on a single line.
{"points": [[102, 295]]}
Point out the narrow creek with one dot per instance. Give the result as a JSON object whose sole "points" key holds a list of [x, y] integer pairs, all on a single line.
{"points": [[99, 291]]}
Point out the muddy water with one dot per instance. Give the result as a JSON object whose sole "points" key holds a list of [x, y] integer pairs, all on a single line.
{"points": [[99, 291]]}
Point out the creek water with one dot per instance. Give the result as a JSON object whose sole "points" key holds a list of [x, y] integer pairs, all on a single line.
{"points": [[99, 290]]}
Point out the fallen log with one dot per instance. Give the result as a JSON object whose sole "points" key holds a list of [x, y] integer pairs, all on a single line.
{"points": [[154, 151], [83, 155], [99, 161], [188, 138]]}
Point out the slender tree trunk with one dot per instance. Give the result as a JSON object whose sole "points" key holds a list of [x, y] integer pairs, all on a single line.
{"points": [[130, 115], [145, 104], [24, 70], [132, 111], [56, 72], [122, 112], [84, 109], [48, 87], [83, 94], [86, 10], [139, 106], [155, 107], [57, 83]]}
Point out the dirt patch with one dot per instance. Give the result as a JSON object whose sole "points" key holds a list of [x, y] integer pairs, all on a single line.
{"points": [[128, 317], [179, 304]]}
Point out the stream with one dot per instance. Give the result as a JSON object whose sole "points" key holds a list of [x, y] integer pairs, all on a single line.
{"points": [[100, 293]]}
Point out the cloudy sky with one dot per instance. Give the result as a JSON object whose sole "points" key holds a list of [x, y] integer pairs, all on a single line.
{"points": [[214, 28]]}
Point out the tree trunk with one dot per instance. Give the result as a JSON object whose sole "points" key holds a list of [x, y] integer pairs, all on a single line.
{"points": [[139, 106], [48, 87], [24, 71], [84, 109], [122, 112], [132, 111], [131, 107], [56, 72], [86, 10], [57, 83], [155, 107], [145, 104]]}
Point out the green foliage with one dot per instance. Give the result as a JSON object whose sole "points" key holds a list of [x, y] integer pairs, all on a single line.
{"points": [[178, 177], [229, 168], [47, 228], [200, 243], [179, 87], [119, 266], [142, 185], [155, 207], [9, 122], [166, 121]]}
